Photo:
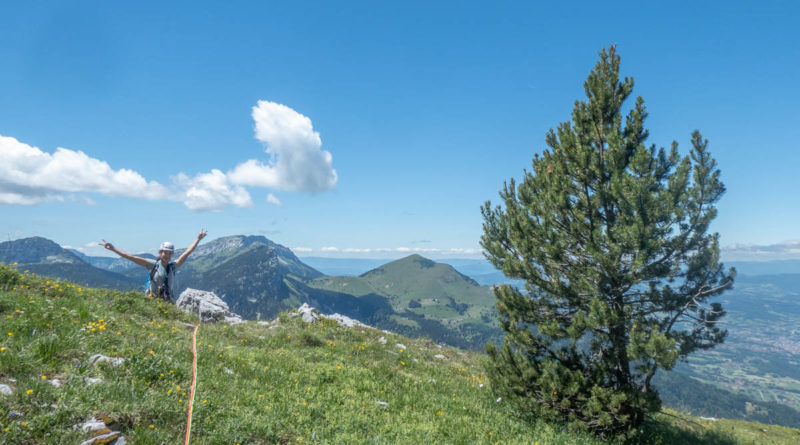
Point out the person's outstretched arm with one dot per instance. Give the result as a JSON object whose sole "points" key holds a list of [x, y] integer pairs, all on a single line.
{"points": [[185, 255], [138, 260]]}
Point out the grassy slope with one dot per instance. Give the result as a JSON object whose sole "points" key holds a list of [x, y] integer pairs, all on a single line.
{"points": [[292, 383], [427, 297], [429, 278]]}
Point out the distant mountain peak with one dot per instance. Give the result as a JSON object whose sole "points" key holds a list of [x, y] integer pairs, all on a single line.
{"points": [[417, 265], [35, 249], [232, 242], [413, 259]]}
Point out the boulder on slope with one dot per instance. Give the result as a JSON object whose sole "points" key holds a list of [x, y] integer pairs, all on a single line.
{"points": [[207, 306]]}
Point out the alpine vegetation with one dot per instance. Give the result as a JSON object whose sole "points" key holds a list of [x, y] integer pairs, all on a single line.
{"points": [[611, 238]]}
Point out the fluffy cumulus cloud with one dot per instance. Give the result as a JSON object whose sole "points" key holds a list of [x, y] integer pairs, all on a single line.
{"points": [[211, 192], [30, 176], [296, 162], [296, 159]]}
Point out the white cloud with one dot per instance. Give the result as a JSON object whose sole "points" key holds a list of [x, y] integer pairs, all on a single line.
{"points": [[296, 160], [302, 249], [425, 250], [30, 176], [785, 250], [211, 192], [272, 199], [461, 251], [398, 252]]}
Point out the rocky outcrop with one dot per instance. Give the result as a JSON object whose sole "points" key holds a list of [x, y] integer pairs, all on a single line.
{"points": [[100, 358], [207, 306], [103, 430], [310, 315], [307, 313]]}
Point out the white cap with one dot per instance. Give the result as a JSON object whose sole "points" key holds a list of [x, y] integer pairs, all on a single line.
{"points": [[166, 245]]}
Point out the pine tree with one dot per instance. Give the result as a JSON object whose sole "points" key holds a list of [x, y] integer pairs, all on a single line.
{"points": [[610, 237]]}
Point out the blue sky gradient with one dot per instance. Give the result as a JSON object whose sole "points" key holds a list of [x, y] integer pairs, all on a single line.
{"points": [[425, 107]]}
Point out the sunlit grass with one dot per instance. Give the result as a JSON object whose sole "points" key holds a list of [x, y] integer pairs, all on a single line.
{"points": [[257, 384]]}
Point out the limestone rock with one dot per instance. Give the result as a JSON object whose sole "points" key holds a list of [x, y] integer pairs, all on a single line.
{"points": [[6, 390], [93, 424], [207, 306], [100, 358], [103, 431], [233, 319], [345, 321], [111, 437], [308, 313]]}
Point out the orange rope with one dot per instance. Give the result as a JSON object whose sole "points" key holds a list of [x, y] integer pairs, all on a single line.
{"points": [[194, 381]]}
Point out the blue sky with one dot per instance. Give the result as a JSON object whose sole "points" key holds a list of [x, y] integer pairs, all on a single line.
{"points": [[387, 124]]}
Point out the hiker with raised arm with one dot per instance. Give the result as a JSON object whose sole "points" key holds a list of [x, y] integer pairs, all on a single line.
{"points": [[161, 279]]}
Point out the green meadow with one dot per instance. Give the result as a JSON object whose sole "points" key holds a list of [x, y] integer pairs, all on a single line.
{"points": [[283, 381]]}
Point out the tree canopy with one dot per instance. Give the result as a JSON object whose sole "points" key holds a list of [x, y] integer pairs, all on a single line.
{"points": [[611, 238]]}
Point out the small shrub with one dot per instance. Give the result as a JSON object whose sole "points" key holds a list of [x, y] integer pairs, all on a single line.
{"points": [[9, 277], [309, 339]]}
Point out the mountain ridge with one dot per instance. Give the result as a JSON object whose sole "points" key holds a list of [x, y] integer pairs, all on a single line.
{"points": [[241, 269], [45, 257]]}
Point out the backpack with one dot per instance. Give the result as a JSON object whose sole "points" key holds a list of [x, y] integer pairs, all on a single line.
{"points": [[163, 291]]}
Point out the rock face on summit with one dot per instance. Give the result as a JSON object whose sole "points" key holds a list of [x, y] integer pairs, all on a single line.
{"points": [[207, 305]]}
